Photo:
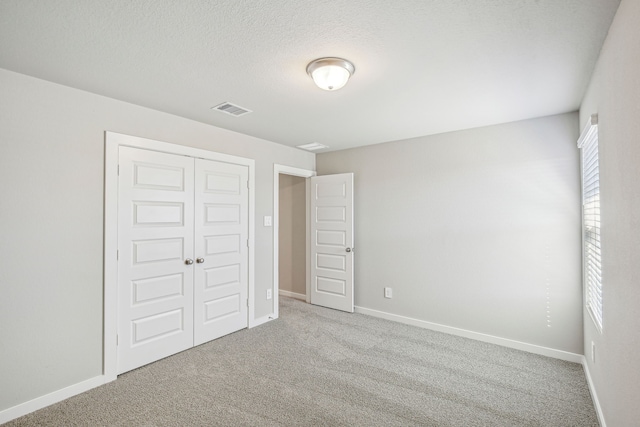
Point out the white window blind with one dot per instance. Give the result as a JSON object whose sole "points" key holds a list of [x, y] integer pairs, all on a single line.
{"points": [[588, 144]]}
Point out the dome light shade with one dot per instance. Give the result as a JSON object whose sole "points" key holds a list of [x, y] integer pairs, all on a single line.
{"points": [[330, 73]]}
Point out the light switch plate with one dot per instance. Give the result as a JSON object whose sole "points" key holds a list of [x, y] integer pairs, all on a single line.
{"points": [[267, 221]]}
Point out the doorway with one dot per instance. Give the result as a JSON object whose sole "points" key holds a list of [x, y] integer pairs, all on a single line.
{"points": [[292, 239], [329, 238], [291, 270]]}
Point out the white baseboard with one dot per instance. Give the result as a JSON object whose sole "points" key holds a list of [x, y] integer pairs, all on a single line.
{"points": [[301, 297], [518, 345], [51, 398], [594, 395]]}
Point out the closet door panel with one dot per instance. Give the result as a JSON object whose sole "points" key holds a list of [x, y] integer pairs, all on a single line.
{"points": [[155, 237], [221, 233]]}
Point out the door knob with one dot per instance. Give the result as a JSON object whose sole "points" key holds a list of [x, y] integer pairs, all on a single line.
{"points": [[348, 249], [188, 261], [199, 260]]}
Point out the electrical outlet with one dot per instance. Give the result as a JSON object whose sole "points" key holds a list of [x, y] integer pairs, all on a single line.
{"points": [[388, 293], [268, 293], [593, 352]]}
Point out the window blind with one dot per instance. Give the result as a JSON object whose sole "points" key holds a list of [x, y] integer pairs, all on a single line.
{"points": [[588, 144]]}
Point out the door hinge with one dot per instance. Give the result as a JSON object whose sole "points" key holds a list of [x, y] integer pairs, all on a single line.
{"points": [[248, 184], [117, 339], [247, 302], [118, 170], [247, 242], [117, 255]]}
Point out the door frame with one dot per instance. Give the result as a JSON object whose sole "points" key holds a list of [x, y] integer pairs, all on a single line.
{"points": [[304, 173], [113, 141]]}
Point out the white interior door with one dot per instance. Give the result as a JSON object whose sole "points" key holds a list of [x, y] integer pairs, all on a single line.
{"points": [[221, 225], [155, 237], [183, 257], [332, 241]]}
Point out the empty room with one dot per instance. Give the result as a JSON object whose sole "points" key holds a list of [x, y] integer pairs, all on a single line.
{"points": [[320, 212]]}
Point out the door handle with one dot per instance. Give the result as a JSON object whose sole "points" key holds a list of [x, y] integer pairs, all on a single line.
{"points": [[199, 260], [188, 261], [348, 249]]}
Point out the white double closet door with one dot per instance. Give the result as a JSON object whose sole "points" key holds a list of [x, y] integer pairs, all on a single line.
{"points": [[182, 253]]}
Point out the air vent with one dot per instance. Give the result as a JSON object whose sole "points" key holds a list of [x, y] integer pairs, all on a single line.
{"points": [[314, 146], [231, 109]]}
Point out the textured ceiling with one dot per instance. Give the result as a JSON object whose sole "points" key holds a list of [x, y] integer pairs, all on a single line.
{"points": [[422, 67]]}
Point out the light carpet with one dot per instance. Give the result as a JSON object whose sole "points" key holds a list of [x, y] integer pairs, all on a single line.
{"points": [[319, 367]]}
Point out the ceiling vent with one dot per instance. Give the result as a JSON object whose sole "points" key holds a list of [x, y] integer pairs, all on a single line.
{"points": [[314, 146], [231, 109]]}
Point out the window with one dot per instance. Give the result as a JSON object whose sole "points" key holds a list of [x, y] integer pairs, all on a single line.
{"points": [[588, 144]]}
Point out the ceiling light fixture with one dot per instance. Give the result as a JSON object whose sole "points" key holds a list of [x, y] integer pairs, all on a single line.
{"points": [[330, 73]]}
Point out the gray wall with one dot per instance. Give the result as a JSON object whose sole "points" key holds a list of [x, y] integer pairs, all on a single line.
{"points": [[51, 223], [477, 229], [292, 242], [614, 94]]}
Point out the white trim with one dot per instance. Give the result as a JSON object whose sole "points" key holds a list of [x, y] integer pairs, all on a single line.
{"points": [[505, 342], [594, 395], [112, 143], [301, 297], [51, 398], [287, 170], [110, 305], [588, 130], [308, 222]]}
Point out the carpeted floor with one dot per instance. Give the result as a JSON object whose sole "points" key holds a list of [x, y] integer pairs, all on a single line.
{"points": [[320, 367]]}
